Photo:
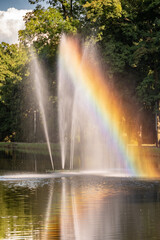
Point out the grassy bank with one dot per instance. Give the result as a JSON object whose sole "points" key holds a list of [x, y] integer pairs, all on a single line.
{"points": [[151, 151], [40, 148]]}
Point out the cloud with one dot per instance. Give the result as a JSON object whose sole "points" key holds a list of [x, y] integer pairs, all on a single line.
{"points": [[11, 21]]}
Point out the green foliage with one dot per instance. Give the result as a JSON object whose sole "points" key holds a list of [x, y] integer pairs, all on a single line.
{"points": [[68, 8], [13, 60], [148, 90], [106, 9], [44, 29], [147, 50], [111, 31]]}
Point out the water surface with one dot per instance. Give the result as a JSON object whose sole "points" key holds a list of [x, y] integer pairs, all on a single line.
{"points": [[75, 206], [78, 207]]}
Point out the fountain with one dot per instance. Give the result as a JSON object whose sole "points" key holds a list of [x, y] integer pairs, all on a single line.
{"points": [[88, 118], [92, 132]]}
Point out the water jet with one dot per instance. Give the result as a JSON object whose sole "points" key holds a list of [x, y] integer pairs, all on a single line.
{"points": [[41, 95], [90, 117]]}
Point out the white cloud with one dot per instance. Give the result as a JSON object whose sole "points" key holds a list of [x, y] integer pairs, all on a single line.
{"points": [[11, 21]]}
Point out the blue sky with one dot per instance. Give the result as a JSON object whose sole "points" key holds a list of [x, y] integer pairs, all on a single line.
{"points": [[18, 4], [11, 18]]}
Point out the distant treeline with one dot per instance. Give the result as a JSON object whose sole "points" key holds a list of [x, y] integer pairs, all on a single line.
{"points": [[127, 36]]}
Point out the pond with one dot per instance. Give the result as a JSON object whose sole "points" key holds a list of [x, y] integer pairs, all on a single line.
{"points": [[40, 205]]}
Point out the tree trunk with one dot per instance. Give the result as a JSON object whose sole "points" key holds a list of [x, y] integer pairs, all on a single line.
{"points": [[64, 9], [157, 108], [71, 5]]}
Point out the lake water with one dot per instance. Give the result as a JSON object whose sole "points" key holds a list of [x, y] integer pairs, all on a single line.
{"points": [[40, 205]]}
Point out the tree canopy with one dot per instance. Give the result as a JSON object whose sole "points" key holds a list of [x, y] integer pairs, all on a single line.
{"points": [[126, 33], [13, 71]]}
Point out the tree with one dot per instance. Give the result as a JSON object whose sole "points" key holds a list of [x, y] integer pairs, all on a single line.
{"points": [[13, 69], [147, 51], [68, 8], [44, 29]]}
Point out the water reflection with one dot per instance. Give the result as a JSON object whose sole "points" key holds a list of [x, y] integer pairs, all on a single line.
{"points": [[79, 208], [21, 160]]}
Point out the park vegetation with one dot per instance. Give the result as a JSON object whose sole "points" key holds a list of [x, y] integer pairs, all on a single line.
{"points": [[127, 36]]}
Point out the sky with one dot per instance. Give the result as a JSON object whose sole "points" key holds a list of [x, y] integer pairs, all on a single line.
{"points": [[11, 18], [18, 4]]}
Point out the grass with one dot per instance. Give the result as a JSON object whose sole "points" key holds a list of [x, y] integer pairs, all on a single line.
{"points": [[151, 151], [27, 145], [39, 148]]}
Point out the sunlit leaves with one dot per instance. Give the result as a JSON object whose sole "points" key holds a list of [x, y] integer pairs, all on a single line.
{"points": [[108, 8], [44, 29], [13, 70]]}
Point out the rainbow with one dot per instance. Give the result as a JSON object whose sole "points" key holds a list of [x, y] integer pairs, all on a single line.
{"points": [[102, 101]]}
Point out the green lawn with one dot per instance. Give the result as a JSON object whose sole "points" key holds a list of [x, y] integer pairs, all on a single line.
{"points": [[42, 148], [31, 147]]}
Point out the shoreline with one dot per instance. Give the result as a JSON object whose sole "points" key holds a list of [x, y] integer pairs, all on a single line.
{"points": [[146, 149]]}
